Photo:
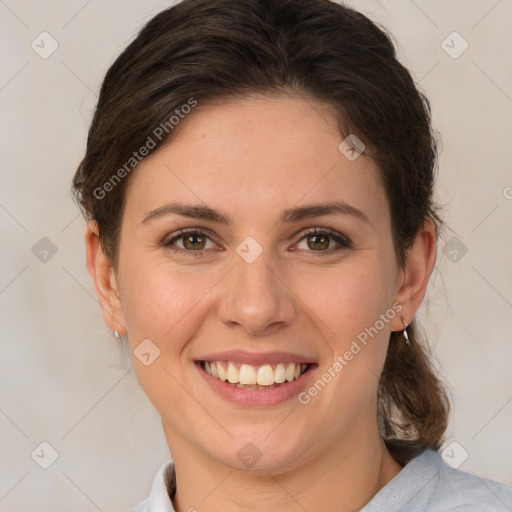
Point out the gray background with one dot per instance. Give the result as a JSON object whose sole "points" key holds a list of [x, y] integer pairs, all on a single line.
{"points": [[67, 381]]}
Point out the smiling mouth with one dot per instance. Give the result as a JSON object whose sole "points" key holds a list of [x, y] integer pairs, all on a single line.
{"points": [[247, 376]]}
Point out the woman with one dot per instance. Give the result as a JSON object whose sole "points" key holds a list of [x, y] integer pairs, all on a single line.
{"points": [[258, 183]]}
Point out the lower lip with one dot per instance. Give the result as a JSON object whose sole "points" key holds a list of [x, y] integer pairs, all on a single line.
{"points": [[254, 397]]}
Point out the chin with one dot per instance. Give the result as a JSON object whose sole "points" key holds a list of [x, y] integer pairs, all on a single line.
{"points": [[258, 451]]}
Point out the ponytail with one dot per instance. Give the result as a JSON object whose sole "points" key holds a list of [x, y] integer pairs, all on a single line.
{"points": [[413, 404]]}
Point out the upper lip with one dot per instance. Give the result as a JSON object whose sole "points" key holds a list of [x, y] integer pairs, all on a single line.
{"points": [[256, 359]]}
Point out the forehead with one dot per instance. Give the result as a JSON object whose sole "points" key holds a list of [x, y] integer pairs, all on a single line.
{"points": [[261, 154]]}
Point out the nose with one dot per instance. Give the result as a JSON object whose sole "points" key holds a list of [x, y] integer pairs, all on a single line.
{"points": [[256, 298]]}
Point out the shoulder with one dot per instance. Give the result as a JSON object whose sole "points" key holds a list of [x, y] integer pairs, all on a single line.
{"points": [[460, 489], [428, 483]]}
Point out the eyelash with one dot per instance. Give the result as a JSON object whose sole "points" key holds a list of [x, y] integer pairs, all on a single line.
{"points": [[342, 240]]}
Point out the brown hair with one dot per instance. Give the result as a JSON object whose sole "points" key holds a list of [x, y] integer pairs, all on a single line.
{"points": [[322, 51]]}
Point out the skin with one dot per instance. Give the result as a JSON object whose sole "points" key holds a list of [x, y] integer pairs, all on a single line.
{"points": [[252, 159]]}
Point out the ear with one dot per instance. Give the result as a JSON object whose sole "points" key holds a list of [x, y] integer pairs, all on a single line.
{"points": [[105, 280], [419, 263]]}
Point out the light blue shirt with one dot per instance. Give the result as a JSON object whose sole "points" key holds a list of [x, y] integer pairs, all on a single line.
{"points": [[425, 484]]}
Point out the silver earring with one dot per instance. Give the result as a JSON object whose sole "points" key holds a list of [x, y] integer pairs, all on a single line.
{"points": [[406, 336], [116, 334]]}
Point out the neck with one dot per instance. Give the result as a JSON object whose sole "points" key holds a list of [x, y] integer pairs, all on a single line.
{"points": [[341, 478]]}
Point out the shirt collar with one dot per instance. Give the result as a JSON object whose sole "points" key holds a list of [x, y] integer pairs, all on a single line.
{"points": [[163, 490]]}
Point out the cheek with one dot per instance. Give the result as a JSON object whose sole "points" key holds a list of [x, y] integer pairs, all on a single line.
{"points": [[355, 339], [164, 305], [348, 298], [163, 302], [348, 302]]}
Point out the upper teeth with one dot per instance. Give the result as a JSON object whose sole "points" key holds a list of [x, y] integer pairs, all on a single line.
{"points": [[247, 374]]}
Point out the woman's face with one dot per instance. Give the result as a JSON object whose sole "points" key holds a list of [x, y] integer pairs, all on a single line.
{"points": [[259, 286]]}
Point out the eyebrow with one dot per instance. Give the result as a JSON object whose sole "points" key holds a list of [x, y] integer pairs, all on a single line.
{"points": [[290, 215]]}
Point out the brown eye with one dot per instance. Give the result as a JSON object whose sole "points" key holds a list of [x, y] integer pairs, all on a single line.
{"points": [[190, 241], [323, 240], [317, 242], [193, 242]]}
